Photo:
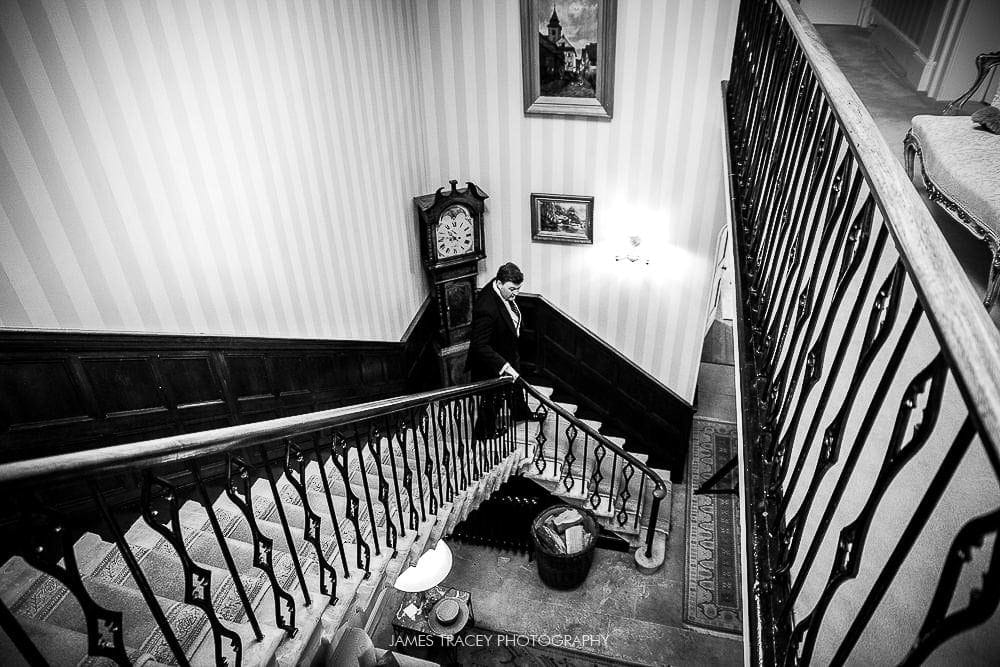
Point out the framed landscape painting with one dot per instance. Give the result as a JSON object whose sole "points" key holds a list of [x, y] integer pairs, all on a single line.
{"points": [[562, 218], [568, 57]]}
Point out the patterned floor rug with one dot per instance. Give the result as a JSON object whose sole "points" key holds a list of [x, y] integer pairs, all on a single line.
{"points": [[712, 595]]}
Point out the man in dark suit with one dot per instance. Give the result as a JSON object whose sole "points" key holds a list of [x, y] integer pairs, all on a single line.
{"points": [[496, 325], [493, 351]]}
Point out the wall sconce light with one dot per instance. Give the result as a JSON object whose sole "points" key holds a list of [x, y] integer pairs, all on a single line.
{"points": [[633, 254]]}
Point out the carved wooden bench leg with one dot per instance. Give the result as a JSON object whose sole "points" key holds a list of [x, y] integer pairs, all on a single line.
{"points": [[910, 150], [993, 282]]}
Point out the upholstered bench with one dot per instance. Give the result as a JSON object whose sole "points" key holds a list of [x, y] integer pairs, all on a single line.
{"points": [[960, 165]]}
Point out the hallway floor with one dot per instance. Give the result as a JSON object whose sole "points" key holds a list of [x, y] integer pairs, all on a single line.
{"points": [[892, 102], [640, 615]]}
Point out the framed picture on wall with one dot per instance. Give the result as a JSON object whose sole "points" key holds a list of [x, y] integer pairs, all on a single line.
{"points": [[562, 218], [568, 57]]}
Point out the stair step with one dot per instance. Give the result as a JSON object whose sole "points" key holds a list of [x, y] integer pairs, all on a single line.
{"points": [[61, 646], [48, 600], [48, 611]]}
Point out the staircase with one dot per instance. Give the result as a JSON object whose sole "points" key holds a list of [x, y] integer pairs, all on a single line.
{"points": [[565, 457], [264, 560]]}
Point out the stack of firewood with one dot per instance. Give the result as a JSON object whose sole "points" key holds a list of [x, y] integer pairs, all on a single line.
{"points": [[564, 532]]}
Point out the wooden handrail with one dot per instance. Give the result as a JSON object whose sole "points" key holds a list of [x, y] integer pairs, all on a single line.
{"points": [[191, 445], [661, 488], [966, 333]]}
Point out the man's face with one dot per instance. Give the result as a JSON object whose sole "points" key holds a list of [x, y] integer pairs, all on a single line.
{"points": [[509, 290]]}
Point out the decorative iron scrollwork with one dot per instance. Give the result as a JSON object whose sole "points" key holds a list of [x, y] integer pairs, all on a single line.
{"points": [[238, 490], [47, 545]]}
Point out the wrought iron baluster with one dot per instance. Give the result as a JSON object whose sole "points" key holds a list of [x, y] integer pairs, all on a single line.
{"points": [[851, 542], [263, 546], [638, 501], [814, 360], [569, 459], [425, 425], [596, 477], [908, 538], [483, 405], [791, 290], [227, 555], [339, 449], [390, 434], [157, 509], [773, 237], [628, 471], [540, 439], [850, 239], [612, 478], [880, 323], [312, 524], [762, 150], [773, 385], [830, 453], [375, 446], [293, 552], [363, 471], [509, 440], [939, 626], [770, 215], [555, 447], [767, 138], [112, 621], [780, 235], [441, 414], [803, 226], [401, 439], [468, 411], [318, 451], [417, 423], [458, 444], [48, 547]]}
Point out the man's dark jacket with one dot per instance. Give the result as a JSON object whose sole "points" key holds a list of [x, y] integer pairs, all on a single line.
{"points": [[494, 339]]}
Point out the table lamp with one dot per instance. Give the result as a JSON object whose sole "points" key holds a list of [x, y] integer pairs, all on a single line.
{"points": [[429, 571]]}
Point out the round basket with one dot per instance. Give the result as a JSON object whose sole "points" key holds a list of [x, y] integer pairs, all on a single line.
{"points": [[564, 570]]}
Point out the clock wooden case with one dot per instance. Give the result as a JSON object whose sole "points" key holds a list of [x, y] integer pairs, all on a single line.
{"points": [[451, 245], [451, 226]]}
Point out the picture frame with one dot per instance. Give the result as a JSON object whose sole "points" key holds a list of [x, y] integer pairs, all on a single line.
{"points": [[562, 218], [568, 57]]}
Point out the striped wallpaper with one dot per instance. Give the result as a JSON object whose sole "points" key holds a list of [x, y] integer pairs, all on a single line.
{"points": [[246, 167], [655, 170], [240, 167]]}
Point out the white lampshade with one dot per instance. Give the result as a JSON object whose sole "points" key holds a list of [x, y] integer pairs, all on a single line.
{"points": [[432, 568]]}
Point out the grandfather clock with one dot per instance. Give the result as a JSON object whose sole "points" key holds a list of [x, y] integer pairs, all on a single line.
{"points": [[451, 245]]}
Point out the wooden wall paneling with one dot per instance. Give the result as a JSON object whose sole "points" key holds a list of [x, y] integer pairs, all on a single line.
{"points": [[605, 385], [64, 391]]}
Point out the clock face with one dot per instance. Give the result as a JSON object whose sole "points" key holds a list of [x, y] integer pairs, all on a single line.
{"points": [[454, 232]]}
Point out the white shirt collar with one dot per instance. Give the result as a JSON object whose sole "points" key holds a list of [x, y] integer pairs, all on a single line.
{"points": [[514, 317]]}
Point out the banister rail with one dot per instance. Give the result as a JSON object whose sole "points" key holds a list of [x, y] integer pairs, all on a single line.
{"points": [[596, 474], [869, 378], [657, 481], [246, 527], [183, 447], [967, 333]]}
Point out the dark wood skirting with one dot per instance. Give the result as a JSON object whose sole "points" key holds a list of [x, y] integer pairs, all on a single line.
{"points": [[67, 391], [560, 352]]}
